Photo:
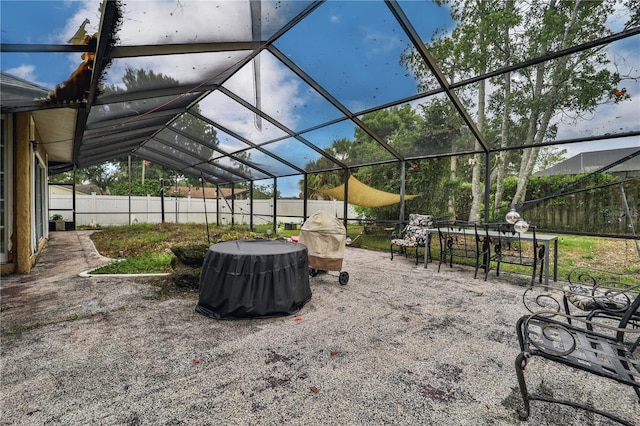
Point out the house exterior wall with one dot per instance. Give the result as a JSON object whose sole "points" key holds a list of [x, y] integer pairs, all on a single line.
{"points": [[60, 190], [22, 191], [7, 201], [23, 249]]}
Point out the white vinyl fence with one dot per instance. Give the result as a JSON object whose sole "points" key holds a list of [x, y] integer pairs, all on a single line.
{"points": [[109, 210]]}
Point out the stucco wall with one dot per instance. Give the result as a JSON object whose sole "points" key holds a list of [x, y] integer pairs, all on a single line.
{"points": [[22, 254], [22, 194]]}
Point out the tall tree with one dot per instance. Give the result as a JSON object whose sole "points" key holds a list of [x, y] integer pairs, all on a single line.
{"points": [[466, 52], [531, 99], [96, 175], [504, 50], [407, 130]]}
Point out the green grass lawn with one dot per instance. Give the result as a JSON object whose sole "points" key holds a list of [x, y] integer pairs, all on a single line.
{"points": [[146, 248]]}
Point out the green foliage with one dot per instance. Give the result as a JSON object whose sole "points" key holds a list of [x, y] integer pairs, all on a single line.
{"points": [[433, 128], [548, 157], [491, 35], [264, 192], [545, 186], [100, 175], [196, 138], [150, 263], [66, 177], [584, 208], [150, 187], [147, 246]]}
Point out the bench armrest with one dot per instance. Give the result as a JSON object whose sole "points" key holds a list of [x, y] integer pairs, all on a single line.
{"points": [[588, 290], [566, 326]]}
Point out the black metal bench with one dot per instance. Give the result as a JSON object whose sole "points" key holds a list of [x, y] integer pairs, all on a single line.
{"points": [[603, 341], [506, 245], [456, 239], [462, 239]]}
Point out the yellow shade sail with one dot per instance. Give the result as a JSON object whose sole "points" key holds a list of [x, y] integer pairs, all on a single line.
{"points": [[363, 195]]}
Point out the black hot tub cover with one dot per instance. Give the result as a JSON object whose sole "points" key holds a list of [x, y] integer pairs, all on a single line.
{"points": [[253, 279]]}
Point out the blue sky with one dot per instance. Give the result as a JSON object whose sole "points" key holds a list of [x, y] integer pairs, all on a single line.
{"points": [[364, 41], [43, 22]]}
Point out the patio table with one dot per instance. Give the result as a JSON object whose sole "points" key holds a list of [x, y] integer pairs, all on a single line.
{"points": [[545, 239]]}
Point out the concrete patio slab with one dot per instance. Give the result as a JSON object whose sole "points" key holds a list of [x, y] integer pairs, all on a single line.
{"points": [[399, 344]]}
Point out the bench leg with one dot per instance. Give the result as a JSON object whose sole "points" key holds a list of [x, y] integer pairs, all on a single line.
{"points": [[478, 256], [450, 251], [541, 256], [391, 251], [521, 363], [475, 274], [484, 255], [487, 263], [533, 274]]}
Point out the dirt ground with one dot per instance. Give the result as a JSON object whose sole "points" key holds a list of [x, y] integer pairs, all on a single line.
{"points": [[399, 344]]}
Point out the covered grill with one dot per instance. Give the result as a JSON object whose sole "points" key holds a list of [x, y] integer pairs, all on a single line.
{"points": [[325, 238]]}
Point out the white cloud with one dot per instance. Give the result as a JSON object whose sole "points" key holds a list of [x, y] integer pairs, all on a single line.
{"points": [[194, 21], [90, 10], [196, 68], [26, 72], [612, 118], [279, 95], [185, 21], [619, 17], [188, 21], [380, 42]]}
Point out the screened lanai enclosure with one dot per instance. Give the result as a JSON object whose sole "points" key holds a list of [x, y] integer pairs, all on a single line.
{"points": [[450, 108]]}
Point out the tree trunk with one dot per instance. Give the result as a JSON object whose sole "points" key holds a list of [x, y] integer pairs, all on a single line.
{"points": [[453, 175], [500, 167], [504, 135], [477, 190], [544, 112], [532, 130]]}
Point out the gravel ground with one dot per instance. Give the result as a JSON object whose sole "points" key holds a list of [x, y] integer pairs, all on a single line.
{"points": [[399, 344]]}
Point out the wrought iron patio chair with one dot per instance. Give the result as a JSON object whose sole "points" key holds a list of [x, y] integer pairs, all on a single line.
{"points": [[593, 346], [414, 235], [608, 294]]}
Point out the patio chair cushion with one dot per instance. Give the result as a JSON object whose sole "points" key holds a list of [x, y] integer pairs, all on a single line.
{"points": [[413, 236], [589, 298], [404, 243], [416, 219]]}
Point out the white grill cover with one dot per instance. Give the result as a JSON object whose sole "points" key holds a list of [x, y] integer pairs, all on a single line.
{"points": [[325, 238]]}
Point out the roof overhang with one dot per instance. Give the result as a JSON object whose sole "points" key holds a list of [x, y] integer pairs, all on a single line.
{"points": [[56, 129]]}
